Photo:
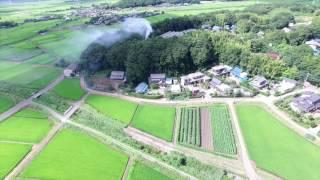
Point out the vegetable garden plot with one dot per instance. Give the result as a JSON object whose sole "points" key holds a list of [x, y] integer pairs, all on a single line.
{"points": [[189, 131], [223, 136]]}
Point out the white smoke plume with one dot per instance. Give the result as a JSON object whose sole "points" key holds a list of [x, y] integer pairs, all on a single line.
{"points": [[128, 27]]}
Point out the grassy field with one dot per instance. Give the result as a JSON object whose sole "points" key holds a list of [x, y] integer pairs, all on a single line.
{"points": [[26, 126], [70, 89], [143, 172], [276, 148], [74, 155], [6, 102], [11, 155], [223, 137], [27, 75], [189, 130], [115, 108], [156, 120]]}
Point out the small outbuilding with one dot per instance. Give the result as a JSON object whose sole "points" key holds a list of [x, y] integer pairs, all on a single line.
{"points": [[157, 78], [239, 74], [215, 82], [72, 70]]}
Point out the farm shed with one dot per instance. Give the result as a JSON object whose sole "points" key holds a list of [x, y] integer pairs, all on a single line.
{"points": [[117, 75], [142, 88], [286, 85]]}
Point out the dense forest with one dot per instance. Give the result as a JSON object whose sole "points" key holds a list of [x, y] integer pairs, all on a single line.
{"points": [[202, 49]]}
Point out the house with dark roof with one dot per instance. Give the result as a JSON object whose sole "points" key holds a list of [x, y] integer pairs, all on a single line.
{"points": [[306, 103], [238, 73], [215, 82], [142, 88], [117, 75], [259, 82], [194, 78], [157, 78], [220, 70]]}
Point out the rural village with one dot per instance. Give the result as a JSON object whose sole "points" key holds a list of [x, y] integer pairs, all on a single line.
{"points": [[187, 100]]}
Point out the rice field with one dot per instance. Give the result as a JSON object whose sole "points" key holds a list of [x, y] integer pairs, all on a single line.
{"points": [[6, 102], [276, 148], [27, 125], [11, 155], [190, 128], [223, 136], [27, 75], [155, 120], [115, 108], [69, 89], [142, 171], [74, 155]]}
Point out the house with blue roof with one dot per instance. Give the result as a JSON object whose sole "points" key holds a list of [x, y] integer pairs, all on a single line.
{"points": [[142, 88], [238, 73]]}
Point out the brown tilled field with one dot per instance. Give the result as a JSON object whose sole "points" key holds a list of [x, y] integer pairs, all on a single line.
{"points": [[206, 129]]}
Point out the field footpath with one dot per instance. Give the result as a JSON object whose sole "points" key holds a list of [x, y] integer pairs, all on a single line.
{"points": [[177, 125], [248, 165], [128, 167], [149, 139]]}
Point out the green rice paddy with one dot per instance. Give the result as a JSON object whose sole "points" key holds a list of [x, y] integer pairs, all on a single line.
{"points": [[74, 155], [11, 155], [27, 125], [143, 172], [276, 148], [115, 108], [155, 120], [6, 102], [69, 89]]}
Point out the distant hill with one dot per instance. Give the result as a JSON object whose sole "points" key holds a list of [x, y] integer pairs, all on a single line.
{"points": [[136, 3]]}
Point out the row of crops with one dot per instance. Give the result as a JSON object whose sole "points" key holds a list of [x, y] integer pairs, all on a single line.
{"points": [[223, 137], [189, 130]]}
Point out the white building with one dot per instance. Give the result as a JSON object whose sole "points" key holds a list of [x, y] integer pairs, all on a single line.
{"points": [[286, 85], [71, 71]]}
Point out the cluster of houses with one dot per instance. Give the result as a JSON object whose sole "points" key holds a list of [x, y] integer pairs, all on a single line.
{"points": [[214, 81]]}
